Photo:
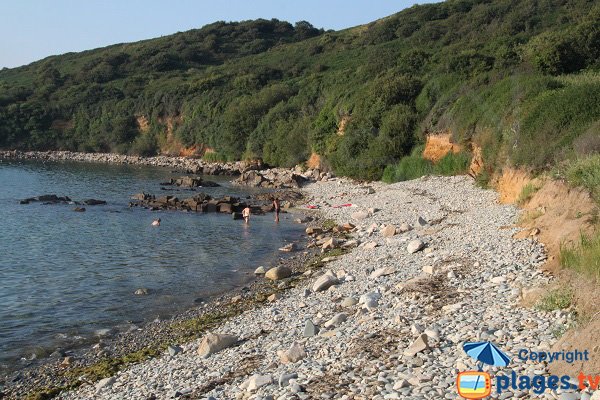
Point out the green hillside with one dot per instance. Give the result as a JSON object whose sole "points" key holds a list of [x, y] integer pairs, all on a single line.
{"points": [[519, 77]]}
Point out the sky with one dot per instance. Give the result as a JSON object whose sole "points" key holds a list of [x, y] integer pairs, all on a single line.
{"points": [[34, 29]]}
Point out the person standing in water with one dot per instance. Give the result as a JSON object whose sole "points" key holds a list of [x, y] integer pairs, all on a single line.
{"points": [[277, 208], [246, 214]]}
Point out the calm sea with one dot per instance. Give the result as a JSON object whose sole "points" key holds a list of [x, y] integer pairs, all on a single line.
{"points": [[66, 277]]}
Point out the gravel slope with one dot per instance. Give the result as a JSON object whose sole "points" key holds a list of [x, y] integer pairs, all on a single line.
{"points": [[473, 294]]}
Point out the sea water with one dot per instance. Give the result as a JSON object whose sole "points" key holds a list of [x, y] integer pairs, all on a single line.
{"points": [[67, 277]]}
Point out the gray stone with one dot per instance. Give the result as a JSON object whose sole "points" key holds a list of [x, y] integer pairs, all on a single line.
{"points": [[256, 381], [260, 270], [310, 329], [420, 344], [337, 320], [174, 350], [324, 282], [383, 271], [295, 353], [349, 302], [284, 379], [105, 383]]}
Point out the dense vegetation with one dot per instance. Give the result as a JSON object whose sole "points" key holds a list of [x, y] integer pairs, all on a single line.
{"points": [[518, 77]]}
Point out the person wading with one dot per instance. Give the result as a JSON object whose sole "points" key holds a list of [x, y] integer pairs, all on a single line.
{"points": [[277, 208], [246, 214]]}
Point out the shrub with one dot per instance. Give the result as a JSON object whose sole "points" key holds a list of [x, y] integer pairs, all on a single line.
{"points": [[411, 167], [214, 157], [453, 164], [556, 299]]}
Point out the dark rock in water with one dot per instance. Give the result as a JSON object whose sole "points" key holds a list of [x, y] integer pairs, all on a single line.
{"points": [[53, 198], [142, 196], [79, 209], [236, 215], [47, 199], [199, 300], [94, 202], [210, 184], [142, 292], [190, 182]]}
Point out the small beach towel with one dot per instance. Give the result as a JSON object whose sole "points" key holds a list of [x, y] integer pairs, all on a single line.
{"points": [[343, 205], [312, 207]]}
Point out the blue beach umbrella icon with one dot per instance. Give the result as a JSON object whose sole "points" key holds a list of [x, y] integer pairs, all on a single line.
{"points": [[486, 353]]}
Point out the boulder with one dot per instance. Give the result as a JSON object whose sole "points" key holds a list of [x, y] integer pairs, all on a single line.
{"points": [[324, 282], [141, 292], [420, 344], [295, 353], [278, 273], [79, 209], [414, 246], [260, 270], [388, 231], [422, 222], [215, 342]]}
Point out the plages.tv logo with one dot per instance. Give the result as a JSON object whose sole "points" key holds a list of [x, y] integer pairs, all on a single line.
{"points": [[478, 384]]}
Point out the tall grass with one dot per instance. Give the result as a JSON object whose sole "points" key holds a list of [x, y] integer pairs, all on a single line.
{"points": [[586, 173], [415, 166], [527, 193], [584, 258]]}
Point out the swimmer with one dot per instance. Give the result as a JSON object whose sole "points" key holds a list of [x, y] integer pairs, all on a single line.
{"points": [[156, 222]]}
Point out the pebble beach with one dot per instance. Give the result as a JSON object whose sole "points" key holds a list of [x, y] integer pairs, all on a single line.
{"points": [[432, 264]]}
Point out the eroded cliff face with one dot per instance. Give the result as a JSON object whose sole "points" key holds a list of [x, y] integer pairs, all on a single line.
{"points": [[438, 145]]}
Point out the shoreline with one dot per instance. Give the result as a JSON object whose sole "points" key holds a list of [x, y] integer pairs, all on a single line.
{"points": [[195, 165], [149, 339]]}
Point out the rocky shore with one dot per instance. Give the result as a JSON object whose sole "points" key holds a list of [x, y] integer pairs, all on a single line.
{"points": [[432, 263], [250, 173]]}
